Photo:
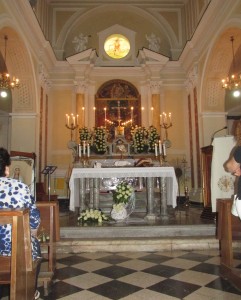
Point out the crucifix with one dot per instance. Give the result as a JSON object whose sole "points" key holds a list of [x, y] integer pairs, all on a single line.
{"points": [[120, 129]]}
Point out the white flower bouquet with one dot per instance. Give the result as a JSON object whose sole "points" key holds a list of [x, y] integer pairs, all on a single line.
{"points": [[139, 139], [92, 216], [99, 142], [85, 134], [122, 193], [153, 138]]}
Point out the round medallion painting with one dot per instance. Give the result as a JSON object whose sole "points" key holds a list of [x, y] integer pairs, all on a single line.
{"points": [[117, 46]]}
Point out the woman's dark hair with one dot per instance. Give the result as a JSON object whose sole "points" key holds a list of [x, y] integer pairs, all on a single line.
{"points": [[5, 161]]}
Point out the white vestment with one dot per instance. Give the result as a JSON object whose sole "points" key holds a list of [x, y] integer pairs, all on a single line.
{"points": [[222, 182]]}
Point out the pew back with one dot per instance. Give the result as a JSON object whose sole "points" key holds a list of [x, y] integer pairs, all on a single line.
{"points": [[18, 270]]}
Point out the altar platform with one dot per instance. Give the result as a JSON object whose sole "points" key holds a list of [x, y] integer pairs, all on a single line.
{"points": [[184, 230]]}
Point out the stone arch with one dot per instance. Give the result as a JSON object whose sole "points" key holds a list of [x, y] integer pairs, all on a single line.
{"points": [[18, 63], [217, 66], [72, 22]]}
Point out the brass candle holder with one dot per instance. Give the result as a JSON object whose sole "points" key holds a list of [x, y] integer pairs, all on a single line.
{"points": [[71, 123]]}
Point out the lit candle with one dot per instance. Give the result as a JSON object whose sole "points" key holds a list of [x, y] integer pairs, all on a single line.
{"points": [[77, 120], [165, 118], [170, 118], [152, 114], [155, 149], [74, 120], [79, 150], [160, 119], [68, 120], [88, 150], [160, 147], [84, 147]]}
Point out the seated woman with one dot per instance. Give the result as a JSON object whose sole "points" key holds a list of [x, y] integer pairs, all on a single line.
{"points": [[14, 194]]}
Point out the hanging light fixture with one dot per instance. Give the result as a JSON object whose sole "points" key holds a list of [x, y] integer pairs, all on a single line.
{"points": [[233, 81], [6, 83]]}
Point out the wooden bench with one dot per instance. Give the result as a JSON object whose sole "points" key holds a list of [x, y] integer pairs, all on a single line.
{"points": [[49, 214], [228, 230], [18, 270]]}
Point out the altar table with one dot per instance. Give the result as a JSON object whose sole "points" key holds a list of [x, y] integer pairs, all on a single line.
{"points": [[168, 185]]}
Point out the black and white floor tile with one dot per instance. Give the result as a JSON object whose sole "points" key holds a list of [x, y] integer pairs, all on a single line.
{"points": [[135, 276]]}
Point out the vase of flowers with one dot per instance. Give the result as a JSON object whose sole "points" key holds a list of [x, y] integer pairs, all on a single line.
{"points": [[99, 142], [124, 201], [92, 216]]}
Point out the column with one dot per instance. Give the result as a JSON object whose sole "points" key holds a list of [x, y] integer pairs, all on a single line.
{"points": [[150, 199], [163, 208]]}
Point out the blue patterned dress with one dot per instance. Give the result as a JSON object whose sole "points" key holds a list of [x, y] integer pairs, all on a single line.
{"points": [[15, 194]]}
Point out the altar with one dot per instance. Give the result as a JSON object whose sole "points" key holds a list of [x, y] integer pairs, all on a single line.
{"points": [[89, 178]]}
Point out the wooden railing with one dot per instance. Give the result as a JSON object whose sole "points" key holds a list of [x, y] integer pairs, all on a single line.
{"points": [[18, 270]]}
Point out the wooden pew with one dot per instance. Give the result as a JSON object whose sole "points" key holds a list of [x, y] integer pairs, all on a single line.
{"points": [[18, 270], [228, 230], [49, 213]]}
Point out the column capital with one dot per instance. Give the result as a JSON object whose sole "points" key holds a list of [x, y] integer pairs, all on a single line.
{"points": [[80, 86], [155, 86]]}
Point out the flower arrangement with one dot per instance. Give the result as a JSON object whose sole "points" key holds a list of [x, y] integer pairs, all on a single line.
{"points": [[153, 138], [139, 139], [99, 142], [122, 193], [85, 134], [92, 216]]}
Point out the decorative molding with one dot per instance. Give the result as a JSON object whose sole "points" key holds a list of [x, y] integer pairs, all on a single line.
{"points": [[80, 86], [192, 79], [44, 78], [155, 86]]}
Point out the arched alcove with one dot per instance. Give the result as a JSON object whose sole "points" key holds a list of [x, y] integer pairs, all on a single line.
{"points": [[117, 101]]}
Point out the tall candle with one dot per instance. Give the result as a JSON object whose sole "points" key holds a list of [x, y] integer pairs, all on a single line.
{"points": [[160, 147], [170, 118], [160, 119], [155, 149], [68, 120], [152, 114], [83, 109], [88, 150], [77, 120], [164, 149], [79, 150], [84, 147]]}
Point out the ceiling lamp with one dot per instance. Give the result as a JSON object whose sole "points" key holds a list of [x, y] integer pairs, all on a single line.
{"points": [[233, 81], [6, 83]]}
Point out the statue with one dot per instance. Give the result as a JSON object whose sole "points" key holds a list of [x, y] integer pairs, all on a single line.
{"points": [[80, 42], [154, 42]]}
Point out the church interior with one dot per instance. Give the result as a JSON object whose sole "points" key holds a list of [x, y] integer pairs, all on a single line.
{"points": [[94, 94]]}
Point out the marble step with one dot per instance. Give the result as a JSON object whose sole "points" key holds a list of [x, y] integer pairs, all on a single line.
{"points": [[137, 244], [135, 230]]}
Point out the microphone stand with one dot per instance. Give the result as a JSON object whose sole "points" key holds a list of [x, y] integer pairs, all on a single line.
{"points": [[225, 127]]}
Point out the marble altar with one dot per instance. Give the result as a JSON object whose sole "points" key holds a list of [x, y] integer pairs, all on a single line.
{"points": [[168, 186]]}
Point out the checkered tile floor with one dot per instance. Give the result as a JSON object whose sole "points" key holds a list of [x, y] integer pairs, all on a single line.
{"points": [[142, 275]]}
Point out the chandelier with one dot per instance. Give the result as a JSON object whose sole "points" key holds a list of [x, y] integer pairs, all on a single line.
{"points": [[233, 81], [6, 83]]}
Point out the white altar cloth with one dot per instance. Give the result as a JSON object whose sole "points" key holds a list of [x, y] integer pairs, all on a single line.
{"points": [[166, 172]]}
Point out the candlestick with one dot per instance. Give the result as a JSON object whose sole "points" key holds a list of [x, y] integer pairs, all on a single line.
{"points": [[160, 147], [166, 122], [155, 149], [164, 149], [88, 150], [79, 150], [71, 122]]}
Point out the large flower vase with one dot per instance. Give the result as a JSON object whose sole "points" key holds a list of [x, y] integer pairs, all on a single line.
{"points": [[122, 211]]}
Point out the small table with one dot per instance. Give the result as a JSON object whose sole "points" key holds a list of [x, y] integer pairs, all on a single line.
{"points": [[168, 185]]}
